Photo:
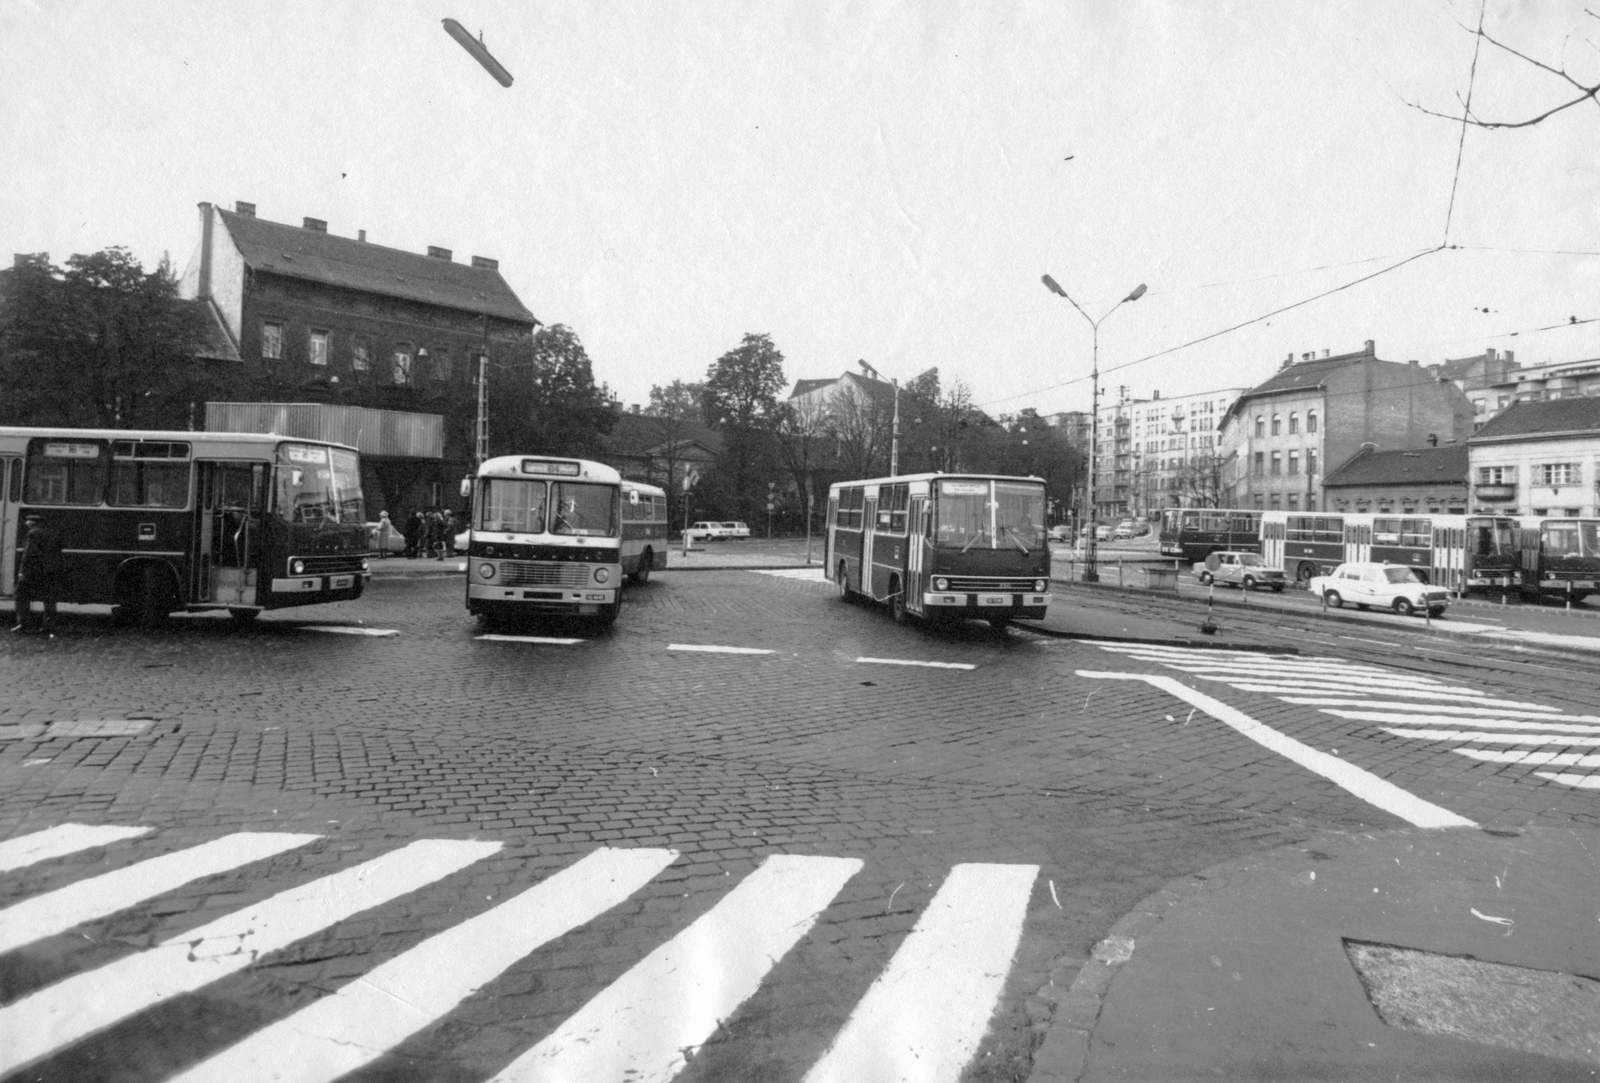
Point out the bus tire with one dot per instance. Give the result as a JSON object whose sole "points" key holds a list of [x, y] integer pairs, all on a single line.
{"points": [[244, 616], [608, 614], [1306, 572], [897, 601], [841, 582], [156, 596], [998, 625], [641, 575]]}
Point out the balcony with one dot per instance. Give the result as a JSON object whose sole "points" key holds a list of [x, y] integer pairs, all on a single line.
{"points": [[1495, 493]]}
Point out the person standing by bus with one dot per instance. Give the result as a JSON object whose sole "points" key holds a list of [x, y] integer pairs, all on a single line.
{"points": [[39, 575]]}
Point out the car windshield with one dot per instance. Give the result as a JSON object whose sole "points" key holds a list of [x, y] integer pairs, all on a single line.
{"points": [[982, 514], [318, 485], [1400, 575], [1252, 560]]}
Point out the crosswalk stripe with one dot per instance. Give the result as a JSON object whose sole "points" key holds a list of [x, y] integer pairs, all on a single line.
{"points": [[1494, 738], [1497, 707], [63, 1013], [923, 1018], [374, 1013], [57, 911], [1581, 782], [644, 1026], [1531, 759], [1325, 686], [61, 840], [1418, 718]]}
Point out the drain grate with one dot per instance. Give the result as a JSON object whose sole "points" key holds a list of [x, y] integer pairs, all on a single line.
{"points": [[1516, 1007]]}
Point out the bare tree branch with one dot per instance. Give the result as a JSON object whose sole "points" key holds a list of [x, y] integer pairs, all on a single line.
{"points": [[1466, 116]]}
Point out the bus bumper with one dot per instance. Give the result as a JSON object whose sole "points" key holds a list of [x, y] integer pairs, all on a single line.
{"points": [[585, 602], [986, 605]]}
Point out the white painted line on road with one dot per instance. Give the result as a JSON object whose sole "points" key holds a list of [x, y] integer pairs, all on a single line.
{"points": [[647, 1024], [924, 1017], [345, 630], [556, 641], [1328, 686], [57, 911], [61, 1014], [371, 1015], [805, 575], [1531, 759], [1497, 707], [909, 662], [59, 841], [1422, 718], [1495, 738], [705, 649], [1363, 784], [1582, 782], [1331, 674]]}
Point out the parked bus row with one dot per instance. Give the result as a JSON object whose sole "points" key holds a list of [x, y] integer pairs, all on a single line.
{"points": [[1463, 553]]}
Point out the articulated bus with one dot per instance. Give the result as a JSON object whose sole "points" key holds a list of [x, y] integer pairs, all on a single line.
{"points": [[644, 530], [1195, 533], [156, 522], [942, 546], [1560, 557], [1463, 553], [545, 539]]}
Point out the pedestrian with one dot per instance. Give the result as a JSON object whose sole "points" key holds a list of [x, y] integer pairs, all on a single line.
{"points": [[416, 530], [38, 575], [436, 534], [385, 534], [452, 527]]}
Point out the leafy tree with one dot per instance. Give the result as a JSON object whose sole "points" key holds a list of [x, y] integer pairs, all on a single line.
{"points": [[677, 407], [101, 343], [543, 399], [741, 399]]}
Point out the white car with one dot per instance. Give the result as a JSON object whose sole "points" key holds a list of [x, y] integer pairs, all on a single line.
{"points": [[707, 531], [735, 530], [1390, 586], [1247, 570]]}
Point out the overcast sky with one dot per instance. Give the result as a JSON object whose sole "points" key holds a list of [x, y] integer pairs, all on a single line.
{"points": [[878, 180]]}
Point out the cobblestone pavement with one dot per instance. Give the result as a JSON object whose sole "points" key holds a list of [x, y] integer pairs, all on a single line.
{"points": [[1069, 795]]}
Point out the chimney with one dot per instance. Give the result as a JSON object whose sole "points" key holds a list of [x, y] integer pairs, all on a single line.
{"points": [[485, 263], [1371, 347], [1325, 353], [435, 252], [1290, 359], [1155, 396], [245, 210], [361, 235], [1308, 356], [316, 225], [1489, 354], [1414, 363], [204, 289]]}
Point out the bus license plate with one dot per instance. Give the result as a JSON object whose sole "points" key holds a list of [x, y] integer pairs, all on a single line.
{"points": [[341, 582], [994, 599]]}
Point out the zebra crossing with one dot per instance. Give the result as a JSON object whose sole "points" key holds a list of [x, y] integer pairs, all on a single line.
{"points": [[1476, 725], [804, 575], [646, 1025]]}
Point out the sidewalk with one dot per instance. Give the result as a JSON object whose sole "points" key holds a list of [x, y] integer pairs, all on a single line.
{"points": [[1412, 954]]}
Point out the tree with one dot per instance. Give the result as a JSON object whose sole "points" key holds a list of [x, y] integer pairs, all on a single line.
{"points": [[543, 399], [1581, 89], [676, 406], [741, 399], [802, 430], [1200, 481], [103, 344]]}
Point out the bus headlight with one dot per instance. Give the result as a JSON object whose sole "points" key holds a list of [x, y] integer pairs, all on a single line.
{"points": [[941, 584], [486, 571], [602, 574], [298, 567], [365, 566], [1039, 585]]}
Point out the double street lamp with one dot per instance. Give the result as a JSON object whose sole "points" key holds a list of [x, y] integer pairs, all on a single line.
{"points": [[1090, 573]]}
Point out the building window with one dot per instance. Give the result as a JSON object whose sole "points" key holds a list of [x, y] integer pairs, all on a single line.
{"points": [[1497, 475], [1275, 501], [1294, 423], [271, 341], [441, 366], [1277, 424], [1277, 463], [1311, 460], [1294, 501], [1480, 407], [319, 348], [1261, 463], [1294, 462], [360, 355], [1558, 473], [1311, 421], [1261, 425], [1258, 500], [402, 364], [1311, 501]]}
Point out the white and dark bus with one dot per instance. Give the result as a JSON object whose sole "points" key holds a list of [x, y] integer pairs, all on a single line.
{"points": [[154, 523], [942, 546]]}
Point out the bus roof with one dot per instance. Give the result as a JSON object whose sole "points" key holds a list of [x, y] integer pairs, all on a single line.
{"points": [[936, 474], [557, 467], [643, 488], [199, 439]]}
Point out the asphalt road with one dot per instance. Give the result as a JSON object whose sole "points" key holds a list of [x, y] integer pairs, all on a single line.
{"points": [[745, 834]]}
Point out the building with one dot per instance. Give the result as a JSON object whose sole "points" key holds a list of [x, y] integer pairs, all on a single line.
{"points": [[1482, 379], [1176, 455], [379, 344], [1538, 457], [1279, 436], [1431, 480], [857, 414]]}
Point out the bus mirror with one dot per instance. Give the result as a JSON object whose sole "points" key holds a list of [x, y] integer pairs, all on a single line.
{"points": [[466, 488], [633, 496]]}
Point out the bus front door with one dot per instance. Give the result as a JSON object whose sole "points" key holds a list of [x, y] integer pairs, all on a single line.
{"points": [[233, 495], [916, 540], [10, 500]]}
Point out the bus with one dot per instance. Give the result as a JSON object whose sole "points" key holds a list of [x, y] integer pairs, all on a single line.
{"points": [[941, 546], [644, 530], [154, 523], [545, 539], [1463, 553], [1560, 558], [1195, 533]]}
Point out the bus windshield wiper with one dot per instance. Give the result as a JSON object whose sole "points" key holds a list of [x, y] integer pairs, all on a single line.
{"points": [[1018, 539], [975, 538]]}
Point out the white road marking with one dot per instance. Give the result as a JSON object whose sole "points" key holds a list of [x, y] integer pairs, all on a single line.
{"points": [[922, 1020], [62, 840], [1531, 759], [647, 1024], [344, 630], [1582, 782], [1416, 718], [805, 575], [909, 662], [57, 911], [1367, 686], [371, 1015], [1494, 738], [555, 641], [1363, 784], [706, 649], [1496, 707], [63, 1013]]}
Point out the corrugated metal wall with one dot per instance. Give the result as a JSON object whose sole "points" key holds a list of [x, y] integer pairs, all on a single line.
{"points": [[389, 433]]}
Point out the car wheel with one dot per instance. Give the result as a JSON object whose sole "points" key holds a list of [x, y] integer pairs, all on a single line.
{"points": [[1205, 579], [1404, 607], [1333, 599], [897, 601], [1306, 572], [1249, 582]]}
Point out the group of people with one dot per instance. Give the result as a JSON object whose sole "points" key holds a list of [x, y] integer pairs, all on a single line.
{"points": [[427, 534]]}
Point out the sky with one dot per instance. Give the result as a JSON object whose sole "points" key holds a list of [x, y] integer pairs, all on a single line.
{"points": [[883, 180]]}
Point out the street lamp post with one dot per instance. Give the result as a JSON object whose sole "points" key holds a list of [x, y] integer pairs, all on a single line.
{"points": [[1091, 573]]}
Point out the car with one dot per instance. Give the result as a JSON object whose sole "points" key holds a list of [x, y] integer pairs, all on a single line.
{"points": [[708, 531], [1102, 532], [1246, 570], [385, 543], [1125, 531], [1390, 586], [736, 531], [1061, 533]]}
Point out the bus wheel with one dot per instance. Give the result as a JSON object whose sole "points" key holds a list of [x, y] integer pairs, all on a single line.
{"points": [[1306, 572], [998, 625], [145, 597], [646, 559], [841, 580], [897, 601], [608, 614], [244, 616]]}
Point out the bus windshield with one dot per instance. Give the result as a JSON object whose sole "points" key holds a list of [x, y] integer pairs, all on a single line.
{"points": [[517, 506], [1491, 537], [318, 485], [1577, 538], [979, 514], [582, 508]]}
